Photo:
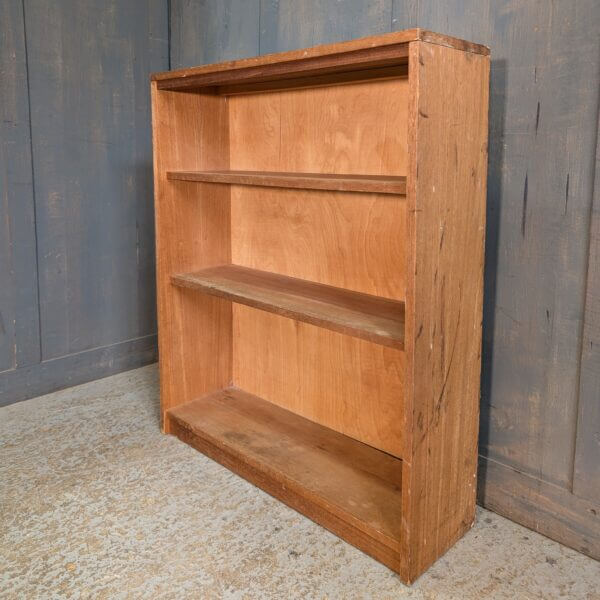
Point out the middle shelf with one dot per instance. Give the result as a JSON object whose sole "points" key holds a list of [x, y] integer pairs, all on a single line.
{"points": [[378, 184], [368, 317]]}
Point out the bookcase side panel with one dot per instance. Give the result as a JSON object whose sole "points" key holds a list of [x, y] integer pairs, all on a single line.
{"points": [[190, 132], [445, 230]]}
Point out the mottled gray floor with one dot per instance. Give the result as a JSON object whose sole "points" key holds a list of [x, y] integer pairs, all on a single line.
{"points": [[96, 503]]}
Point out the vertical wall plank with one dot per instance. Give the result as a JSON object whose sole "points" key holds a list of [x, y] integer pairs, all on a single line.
{"points": [[206, 32], [288, 24], [19, 322], [89, 66], [586, 483], [404, 14]]}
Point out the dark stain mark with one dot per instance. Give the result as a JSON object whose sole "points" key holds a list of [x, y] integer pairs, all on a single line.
{"points": [[419, 332], [442, 237], [548, 315], [236, 436], [524, 215], [438, 405], [593, 511], [293, 553], [277, 529], [435, 276], [567, 193], [537, 118], [550, 560], [420, 421], [424, 115], [535, 74], [137, 242], [421, 61], [487, 520]]}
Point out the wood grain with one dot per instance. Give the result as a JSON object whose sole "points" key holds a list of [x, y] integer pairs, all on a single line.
{"points": [[192, 232], [359, 129], [381, 184], [314, 81], [352, 129], [313, 235], [301, 463], [367, 317], [364, 52], [446, 225], [347, 384], [424, 252]]}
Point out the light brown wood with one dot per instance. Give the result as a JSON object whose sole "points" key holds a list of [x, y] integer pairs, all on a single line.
{"points": [[190, 131], [446, 229], [348, 384], [359, 129], [298, 461], [349, 241], [367, 317], [313, 235], [343, 56], [381, 184], [235, 318]]}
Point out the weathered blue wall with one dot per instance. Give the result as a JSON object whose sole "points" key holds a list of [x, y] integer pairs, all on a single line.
{"points": [[77, 297]]}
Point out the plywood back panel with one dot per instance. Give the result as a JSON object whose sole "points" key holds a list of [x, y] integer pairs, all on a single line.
{"points": [[350, 385], [358, 128], [355, 241]]}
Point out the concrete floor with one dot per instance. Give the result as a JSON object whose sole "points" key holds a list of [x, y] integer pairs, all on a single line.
{"points": [[96, 503]]}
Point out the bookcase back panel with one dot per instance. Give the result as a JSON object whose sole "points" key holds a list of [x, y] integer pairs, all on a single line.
{"points": [[349, 240], [357, 128], [347, 384]]}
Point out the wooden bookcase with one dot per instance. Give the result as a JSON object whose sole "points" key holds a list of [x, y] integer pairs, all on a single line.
{"points": [[320, 220]]}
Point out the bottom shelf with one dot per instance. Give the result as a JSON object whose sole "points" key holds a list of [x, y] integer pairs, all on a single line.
{"points": [[348, 487]]}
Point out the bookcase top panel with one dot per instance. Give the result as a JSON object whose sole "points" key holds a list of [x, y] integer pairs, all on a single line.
{"points": [[372, 52]]}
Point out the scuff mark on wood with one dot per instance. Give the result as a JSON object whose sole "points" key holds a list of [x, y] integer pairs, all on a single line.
{"points": [[537, 118], [567, 193]]}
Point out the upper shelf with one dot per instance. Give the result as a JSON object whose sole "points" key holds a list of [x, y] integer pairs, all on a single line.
{"points": [[371, 318], [380, 184], [370, 52]]}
